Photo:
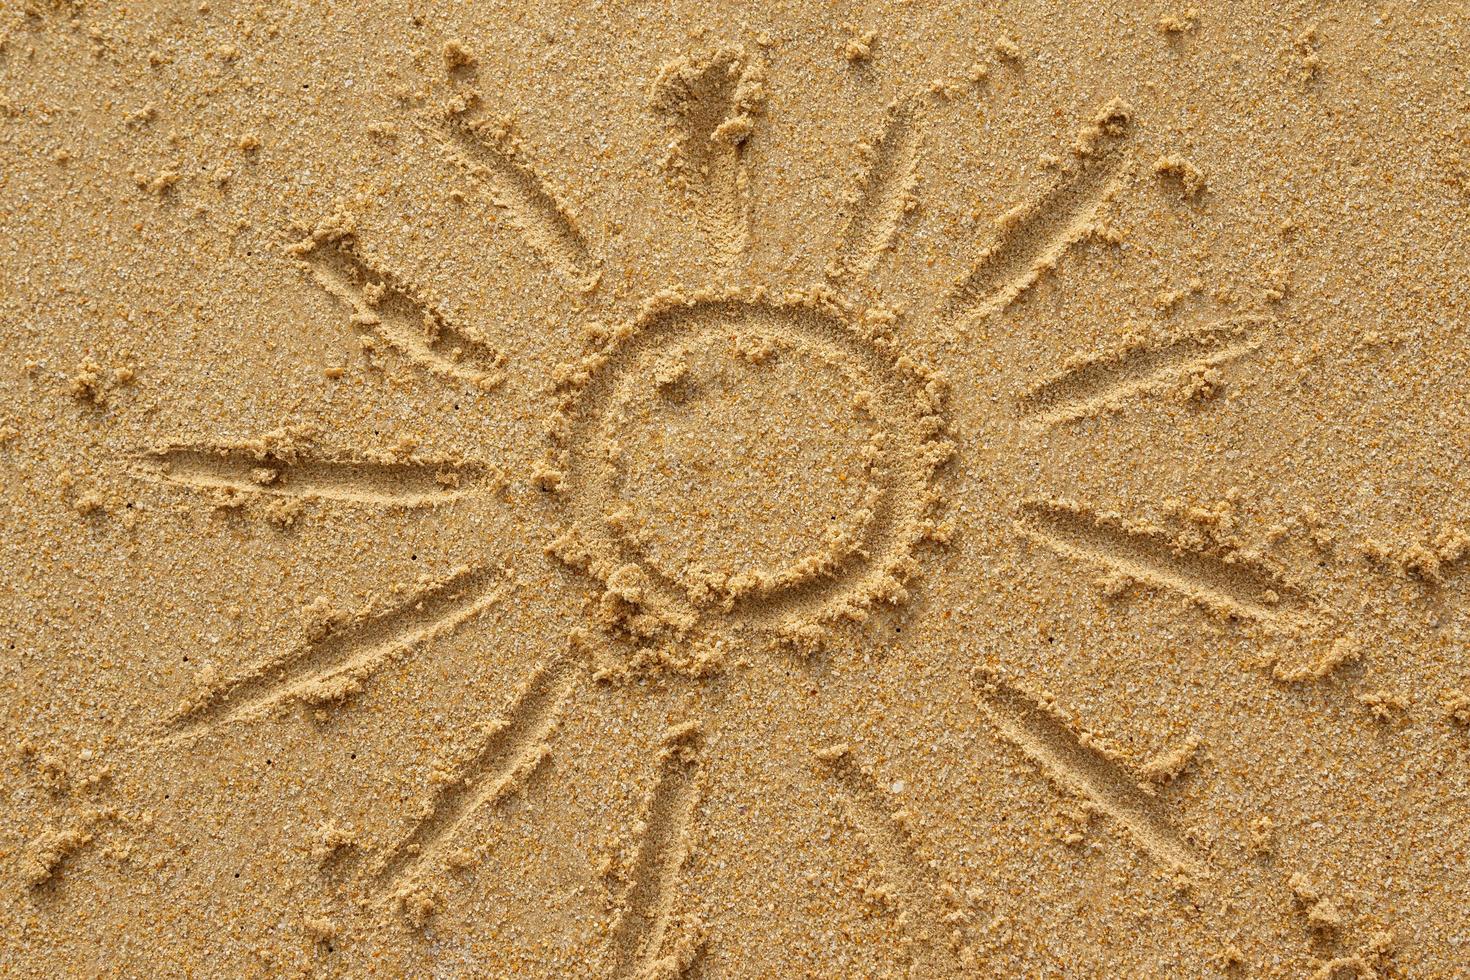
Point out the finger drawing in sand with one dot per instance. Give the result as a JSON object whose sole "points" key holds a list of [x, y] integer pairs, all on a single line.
{"points": [[645, 494]]}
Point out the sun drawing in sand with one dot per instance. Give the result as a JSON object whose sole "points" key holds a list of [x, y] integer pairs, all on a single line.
{"points": [[696, 561]]}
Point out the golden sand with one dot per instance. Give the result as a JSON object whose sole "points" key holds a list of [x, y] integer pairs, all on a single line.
{"points": [[890, 489]]}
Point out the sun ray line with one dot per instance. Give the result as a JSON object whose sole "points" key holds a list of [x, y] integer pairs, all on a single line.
{"points": [[646, 911], [1244, 586], [1066, 759], [385, 306], [503, 757], [1032, 238], [1107, 380], [884, 194], [712, 102], [493, 153], [340, 653], [246, 468], [892, 845]]}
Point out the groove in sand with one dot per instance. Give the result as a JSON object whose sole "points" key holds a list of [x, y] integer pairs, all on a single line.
{"points": [[386, 305], [333, 666], [412, 483], [1244, 587], [1107, 380], [648, 904], [899, 864], [712, 101], [884, 195], [491, 152], [505, 755], [1032, 238], [1079, 768]]}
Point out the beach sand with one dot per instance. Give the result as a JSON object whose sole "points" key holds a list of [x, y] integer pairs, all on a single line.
{"points": [[690, 490]]}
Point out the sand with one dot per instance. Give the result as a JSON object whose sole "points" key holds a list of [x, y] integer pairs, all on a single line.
{"points": [[795, 489]]}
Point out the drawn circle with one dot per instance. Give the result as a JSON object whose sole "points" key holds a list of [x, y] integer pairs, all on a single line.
{"points": [[736, 456]]}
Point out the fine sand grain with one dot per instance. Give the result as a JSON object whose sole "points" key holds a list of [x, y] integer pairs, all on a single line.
{"points": [[724, 490]]}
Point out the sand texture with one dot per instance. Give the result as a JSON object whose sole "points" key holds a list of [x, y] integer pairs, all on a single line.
{"points": [[705, 490]]}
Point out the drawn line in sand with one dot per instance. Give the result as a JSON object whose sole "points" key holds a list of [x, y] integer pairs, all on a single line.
{"points": [[1031, 239], [339, 655], [647, 907], [892, 846], [1235, 584], [244, 469], [712, 101], [1080, 768], [385, 305], [1103, 382], [505, 754], [884, 194], [492, 152]]}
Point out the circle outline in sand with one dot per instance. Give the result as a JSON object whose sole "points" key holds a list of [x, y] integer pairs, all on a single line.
{"points": [[803, 602]]}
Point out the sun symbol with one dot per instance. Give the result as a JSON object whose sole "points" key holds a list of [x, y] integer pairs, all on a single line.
{"points": [[737, 472]]}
